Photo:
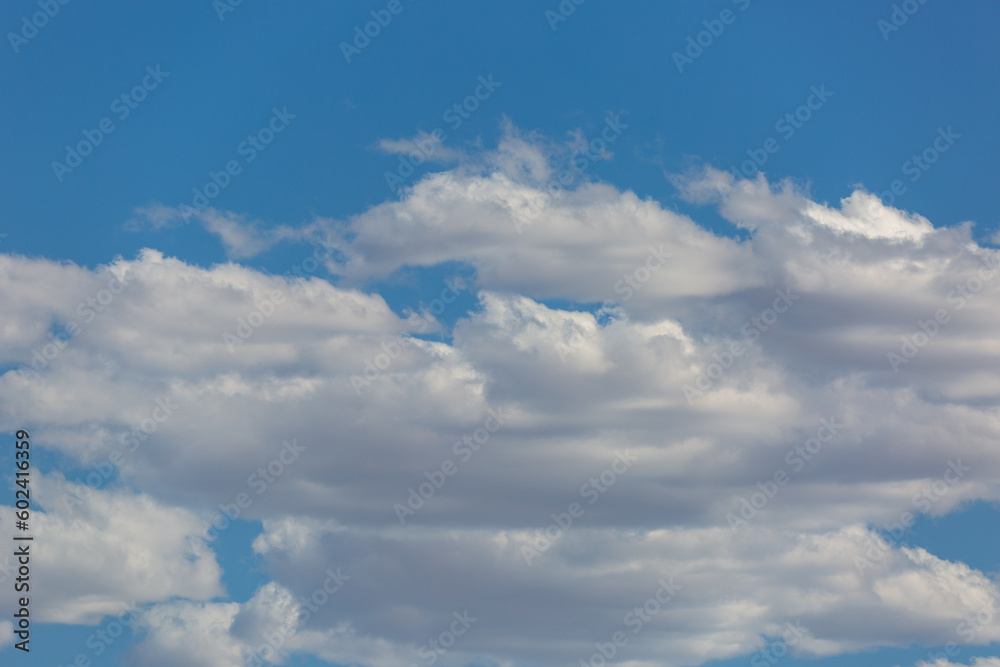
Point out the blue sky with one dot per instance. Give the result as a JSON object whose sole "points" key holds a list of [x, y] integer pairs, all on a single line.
{"points": [[890, 97], [706, 156]]}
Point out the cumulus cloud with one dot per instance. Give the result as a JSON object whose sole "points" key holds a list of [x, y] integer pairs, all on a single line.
{"points": [[126, 550], [186, 633], [264, 630], [847, 350], [976, 662]]}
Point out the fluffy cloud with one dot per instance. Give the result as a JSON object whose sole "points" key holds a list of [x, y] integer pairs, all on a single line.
{"points": [[108, 551], [185, 633], [588, 584], [976, 662], [777, 400], [264, 630]]}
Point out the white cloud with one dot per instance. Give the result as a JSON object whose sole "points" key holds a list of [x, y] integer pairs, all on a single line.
{"points": [[976, 662], [241, 238], [576, 386], [424, 147], [109, 550], [185, 633]]}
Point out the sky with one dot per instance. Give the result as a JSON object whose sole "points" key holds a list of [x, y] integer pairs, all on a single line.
{"points": [[518, 334]]}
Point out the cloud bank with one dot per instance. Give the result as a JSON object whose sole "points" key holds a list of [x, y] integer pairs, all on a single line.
{"points": [[777, 401]]}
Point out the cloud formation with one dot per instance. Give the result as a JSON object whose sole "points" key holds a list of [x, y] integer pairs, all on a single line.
{"points": [[782, 397]]}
